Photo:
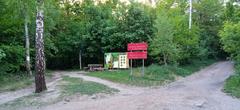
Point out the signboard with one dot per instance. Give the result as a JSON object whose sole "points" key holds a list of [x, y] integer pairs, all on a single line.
{"points": [[116, 60], [137, 46], [123, 61], [137, 55], [137, 51]]}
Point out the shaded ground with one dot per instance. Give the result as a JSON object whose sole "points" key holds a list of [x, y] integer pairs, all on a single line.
{"points": [[200, 91]]}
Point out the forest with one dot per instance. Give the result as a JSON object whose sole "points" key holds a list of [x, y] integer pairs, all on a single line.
{"points": [[92, 28]]}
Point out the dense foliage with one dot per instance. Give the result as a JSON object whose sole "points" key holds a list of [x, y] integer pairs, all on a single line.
{"points": [[230, 39], [173, 41], [229, 34]]}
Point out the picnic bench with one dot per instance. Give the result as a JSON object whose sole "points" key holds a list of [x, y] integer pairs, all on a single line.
{"points": [[95, 67]]}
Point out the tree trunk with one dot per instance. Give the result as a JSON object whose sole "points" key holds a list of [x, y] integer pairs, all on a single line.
{"points": [[80, 59], [40, 57], [165, 59], [28, 62], [190, 14]]}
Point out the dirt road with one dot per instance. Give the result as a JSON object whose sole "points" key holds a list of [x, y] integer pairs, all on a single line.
{"points": [[201, 91]]}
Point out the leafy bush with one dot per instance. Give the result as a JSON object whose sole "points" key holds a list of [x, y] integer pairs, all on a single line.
{"points": [[13, 59], [230, 38]]}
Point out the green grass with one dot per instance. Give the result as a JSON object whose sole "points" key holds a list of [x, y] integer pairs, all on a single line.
{"points": [[78, 85], [197, 65], [154, 75], [232, 85], [14, 82], [11, 82]]}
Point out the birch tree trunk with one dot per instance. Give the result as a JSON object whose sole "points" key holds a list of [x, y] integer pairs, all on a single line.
{"points": [[40, 57], [27, 44]]}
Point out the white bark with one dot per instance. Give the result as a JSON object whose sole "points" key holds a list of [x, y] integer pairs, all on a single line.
{"points": [[40, 57], [190, 14], [27, 46]]}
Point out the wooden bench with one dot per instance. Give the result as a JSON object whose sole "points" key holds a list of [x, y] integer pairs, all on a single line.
{"points": [[95, 67]]}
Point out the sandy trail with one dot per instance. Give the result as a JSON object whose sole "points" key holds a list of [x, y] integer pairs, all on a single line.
{"points": [[200, 91]]}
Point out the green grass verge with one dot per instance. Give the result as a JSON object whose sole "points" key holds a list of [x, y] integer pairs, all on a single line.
{"points": [[72, 86], [11, 82], [232, 85], [196, 65], [154, 75], [14, 82]]}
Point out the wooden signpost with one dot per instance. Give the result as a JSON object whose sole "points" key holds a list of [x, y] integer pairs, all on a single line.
{"points": [[137, 51]]}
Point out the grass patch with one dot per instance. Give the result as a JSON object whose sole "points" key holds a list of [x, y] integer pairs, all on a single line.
{"points": [[154, 75], [232, 85], [77, 85], [196, 65], [11, 82], [14, 82]]}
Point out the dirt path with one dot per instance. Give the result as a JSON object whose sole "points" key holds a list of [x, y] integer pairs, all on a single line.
{"points": [[10, 96], [201, 91]]}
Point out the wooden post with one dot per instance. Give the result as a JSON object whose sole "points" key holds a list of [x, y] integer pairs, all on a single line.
{"points": [[80, 59], [131, 74], [142, 67]]}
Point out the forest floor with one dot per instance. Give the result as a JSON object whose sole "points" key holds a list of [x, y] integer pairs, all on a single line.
{"points": [[200, 91]]}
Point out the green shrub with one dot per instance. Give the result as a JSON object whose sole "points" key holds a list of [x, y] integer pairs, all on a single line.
{"points": [[230, 38], [13, 59]]}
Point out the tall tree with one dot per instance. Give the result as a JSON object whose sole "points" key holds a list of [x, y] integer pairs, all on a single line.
{"points": [[40, 57], [162, 46], [23, 10], [208, 18], [27, 40]]}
